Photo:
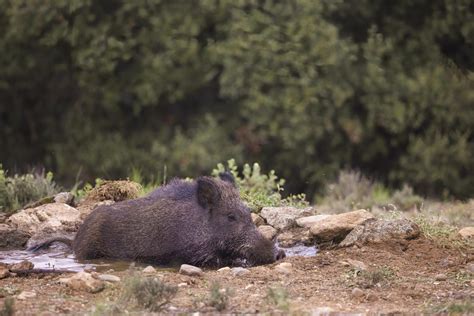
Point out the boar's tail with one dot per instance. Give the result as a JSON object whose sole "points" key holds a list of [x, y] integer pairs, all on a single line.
{"points": [[47, 243]]}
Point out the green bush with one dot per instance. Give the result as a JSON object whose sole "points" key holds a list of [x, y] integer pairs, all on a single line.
{"points": [[257, 189], [19, 190]]}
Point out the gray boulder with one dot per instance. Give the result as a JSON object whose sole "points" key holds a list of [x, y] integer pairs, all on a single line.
{"points": [[283, 218]]}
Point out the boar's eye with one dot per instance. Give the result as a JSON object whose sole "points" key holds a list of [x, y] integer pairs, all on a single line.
{"points": [[231, 217]]}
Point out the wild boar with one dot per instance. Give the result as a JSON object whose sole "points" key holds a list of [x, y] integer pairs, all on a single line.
{"points": [[203, 223]]}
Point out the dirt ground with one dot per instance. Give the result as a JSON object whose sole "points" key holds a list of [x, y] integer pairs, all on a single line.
{"points": [[397, 280]]}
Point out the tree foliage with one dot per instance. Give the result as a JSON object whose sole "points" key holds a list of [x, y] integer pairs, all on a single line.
{"points": [[306, 87]]}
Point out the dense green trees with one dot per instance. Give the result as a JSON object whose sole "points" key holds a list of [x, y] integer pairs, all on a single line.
{"points": [[305, 87]]}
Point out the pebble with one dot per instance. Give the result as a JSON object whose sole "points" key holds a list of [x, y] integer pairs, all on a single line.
{"points": [[284, 267], [83, 281], [26, 295], [23, 265], [441, 277], [238, 271], [224, 269], [149, 269], [357, 293], [190, 270], [4, 272], [359, 265], [108, 278], [322, 311]]}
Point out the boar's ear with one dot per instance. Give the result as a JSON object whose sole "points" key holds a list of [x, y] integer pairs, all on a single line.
{"points": [[227, 177], [208, 192]]}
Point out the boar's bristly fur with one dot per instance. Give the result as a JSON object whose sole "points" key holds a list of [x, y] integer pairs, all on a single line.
{"points": [[203, 223]]}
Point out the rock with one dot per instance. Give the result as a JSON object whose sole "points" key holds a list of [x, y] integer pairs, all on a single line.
{"points": [[472, 283], [239, 271], [224, 269], [23, 265], [372, 297], [3, 217], [357, 293], [149, 269], [64, 197], [359, 265], [108, 278], [380, 231], [47, 218], [83, 281], [466, 232], [309, 221], [257, 219], [24, 295], [292, 237], [190, 270], [322, 311], [336, 227], [4, 272], [470, 267], [441, 277], [12, 238], [285, 217], [267, 231], [284, 267]]}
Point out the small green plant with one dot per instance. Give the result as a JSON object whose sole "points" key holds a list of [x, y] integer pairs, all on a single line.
{"points": [[443, 234], [370, 278], [457, 308], [81, 193], [258, 189], [219, 297], [20, 190], [279, 297], [148, 293], [137, 176], [8, 308]]}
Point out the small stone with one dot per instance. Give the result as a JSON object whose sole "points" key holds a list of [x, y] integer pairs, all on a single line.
{"points": [[472, 283], [23, 265], [83, 281], [284, 267], [224, 269], [267, 231], [322, 311], [359, 265], [26, 295], [372, 297], [309, 221], [357, 293], [108, 277], [441, 277], [182, 284], [239, 271], [257, 219], [4, 272], [470, 267], [64, 197], [149, 269], [190, 270], [467, 232]]}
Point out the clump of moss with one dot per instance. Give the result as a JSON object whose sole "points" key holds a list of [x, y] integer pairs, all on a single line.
{"points": [[119, 190]]}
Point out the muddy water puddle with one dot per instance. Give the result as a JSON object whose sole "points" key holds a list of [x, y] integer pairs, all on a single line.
{"points": [[65, 261]]}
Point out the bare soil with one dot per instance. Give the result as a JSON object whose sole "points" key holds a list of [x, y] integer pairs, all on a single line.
{"points": [[399, 279]]}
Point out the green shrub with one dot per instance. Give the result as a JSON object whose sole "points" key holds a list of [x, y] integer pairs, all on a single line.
{"points": [[19, 190], [8, 308], [219, 297], [258, 189], [148, 293], [279, 298]]}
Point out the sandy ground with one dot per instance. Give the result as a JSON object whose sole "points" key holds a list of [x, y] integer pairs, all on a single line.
{"points": [[399, 279]]}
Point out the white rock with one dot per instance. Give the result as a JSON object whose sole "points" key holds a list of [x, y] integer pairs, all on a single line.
{"points": [[224, 269], [467, 232], [26, 295], [149, 269], [64, 197], [49, 218], [309, 221], [239, 271], [284, 217], [83, 281], [190, 270], [108, 277], [338, 226], [284, 267]]}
